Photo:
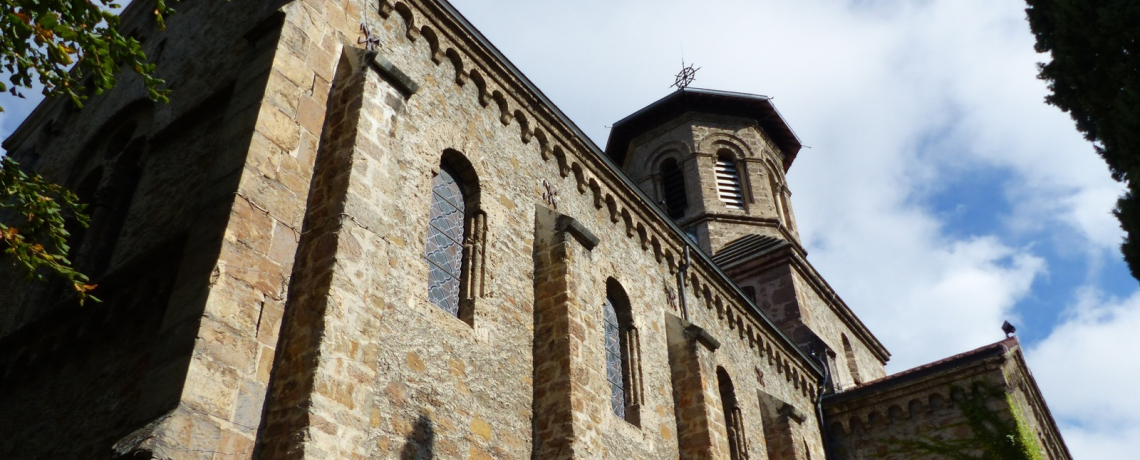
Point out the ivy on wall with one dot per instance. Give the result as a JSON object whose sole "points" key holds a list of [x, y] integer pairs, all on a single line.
{"points": [[991, 436]]}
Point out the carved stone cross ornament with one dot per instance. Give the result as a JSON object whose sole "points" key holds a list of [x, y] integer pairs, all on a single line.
{"points": [[368, 40], [550, 194]]}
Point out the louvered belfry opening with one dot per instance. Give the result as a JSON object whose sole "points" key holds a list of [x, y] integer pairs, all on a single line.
{"points": [[728, 182], [673, 182]]}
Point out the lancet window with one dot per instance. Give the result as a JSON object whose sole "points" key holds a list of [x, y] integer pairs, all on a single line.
{"points": [[623, 368], [673, 186], [733, 418], [454, 243]]}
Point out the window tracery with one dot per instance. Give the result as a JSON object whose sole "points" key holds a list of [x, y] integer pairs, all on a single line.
{"points": [[444, 248]]}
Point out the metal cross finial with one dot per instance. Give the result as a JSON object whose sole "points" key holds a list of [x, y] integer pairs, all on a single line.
{"points": [[686, 76]]}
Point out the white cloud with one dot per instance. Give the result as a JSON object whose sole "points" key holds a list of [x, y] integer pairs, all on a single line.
{"points": [[1086, 369], [898, 100]]}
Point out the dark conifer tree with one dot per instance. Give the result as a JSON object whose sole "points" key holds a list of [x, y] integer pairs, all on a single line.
{"points": [[1094, 75]]}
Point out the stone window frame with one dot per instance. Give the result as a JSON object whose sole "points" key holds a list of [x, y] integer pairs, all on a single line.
{"points": [[110, 168], [629, 347], [472, 272], [849, 356], [733, 416], [779, 194], [678, 206], [731, 157]]}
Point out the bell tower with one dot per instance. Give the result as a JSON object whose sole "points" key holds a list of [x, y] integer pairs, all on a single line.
{"points": [[714, 161]]}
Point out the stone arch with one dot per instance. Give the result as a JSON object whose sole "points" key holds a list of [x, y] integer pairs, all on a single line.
{"points": [[611, 205], [673, 149], [718, 141], [135, 117], [579, 176], [524, 126], [596, 189], [627, 219], [504, 107], [937, 402], [432, 40], [625, 378], [894, 413], [914, 407], [564, 167], [113, 165], [481, 85], [733, 416], [543, 143], [472, 241], [457, 64], [409, 18], [874, 419]]}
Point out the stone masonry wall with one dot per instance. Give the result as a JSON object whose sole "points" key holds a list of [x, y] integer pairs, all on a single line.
{"points": [[694, 140], [787, 295], [439, 384], [923, 416], [174, 374], [821, 318], [367, 367]]}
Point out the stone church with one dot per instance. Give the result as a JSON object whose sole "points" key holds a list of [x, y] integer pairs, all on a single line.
{"points": [[358, 231]]}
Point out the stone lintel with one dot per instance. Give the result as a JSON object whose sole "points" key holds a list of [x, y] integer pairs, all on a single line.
{"points": [[700, 335], [392, 74], [573, 227]]}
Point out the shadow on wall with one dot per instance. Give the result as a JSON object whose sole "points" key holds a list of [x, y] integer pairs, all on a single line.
{"points": [[421, 441]]}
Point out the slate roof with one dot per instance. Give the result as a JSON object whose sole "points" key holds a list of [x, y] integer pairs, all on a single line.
{"points": [[717, 102], [745, 248]]}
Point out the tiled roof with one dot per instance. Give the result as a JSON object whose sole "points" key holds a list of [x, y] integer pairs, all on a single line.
{"points": [[914, 373]]}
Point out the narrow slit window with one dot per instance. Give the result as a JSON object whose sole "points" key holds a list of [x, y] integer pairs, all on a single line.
{"points": [[728, 182], [623, 368], [849, 356], [614, 373], [733, 417]]}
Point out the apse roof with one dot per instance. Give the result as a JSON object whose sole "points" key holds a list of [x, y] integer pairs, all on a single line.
{"points": [[717, 102]]}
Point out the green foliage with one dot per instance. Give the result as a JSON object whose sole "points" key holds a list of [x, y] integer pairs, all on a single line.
{"points": [[71, 48], [1094, 75], [991, 437], [58, 43], [35, 236]]}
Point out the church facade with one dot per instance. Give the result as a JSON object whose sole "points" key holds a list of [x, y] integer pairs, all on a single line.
{"points": [[358, 231]]}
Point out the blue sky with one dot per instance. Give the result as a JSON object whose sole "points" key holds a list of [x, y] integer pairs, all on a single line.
{"points": [[939, 196]]}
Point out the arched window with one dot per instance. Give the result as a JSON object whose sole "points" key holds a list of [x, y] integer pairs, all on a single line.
{"points": [[454, 243], [623, 367], [733, 419], [849, 356], [673, 186], [114, 202], [728, 181], [86, 193]]}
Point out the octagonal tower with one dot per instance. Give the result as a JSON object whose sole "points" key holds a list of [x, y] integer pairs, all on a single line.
{"points": [[714, 161]]}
